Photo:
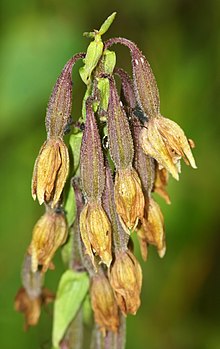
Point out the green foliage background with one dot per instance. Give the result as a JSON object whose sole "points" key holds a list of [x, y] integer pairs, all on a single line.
{"points": [[181, 293]]}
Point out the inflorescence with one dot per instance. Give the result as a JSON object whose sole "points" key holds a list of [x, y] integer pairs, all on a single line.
{"points": [[123, 150]]}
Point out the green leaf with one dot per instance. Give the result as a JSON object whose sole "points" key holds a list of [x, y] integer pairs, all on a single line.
{"points": [[71, 292], [105, 26], [104, 88], [93, 54]]}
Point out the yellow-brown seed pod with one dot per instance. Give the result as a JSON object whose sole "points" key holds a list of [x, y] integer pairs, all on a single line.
{"points": [[96, 232], [126, 280], [129, 198], [104, 304], [50, 171], [49, 233]]}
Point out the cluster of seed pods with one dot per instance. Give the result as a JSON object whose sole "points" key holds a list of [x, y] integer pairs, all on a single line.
{"points": [[113, 189]]}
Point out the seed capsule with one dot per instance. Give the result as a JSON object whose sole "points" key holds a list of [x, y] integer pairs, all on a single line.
{"points": [[120, 237], [146, 89], [143, 163], [127, 90], [60, 103], [120, 139], [91, 160]]}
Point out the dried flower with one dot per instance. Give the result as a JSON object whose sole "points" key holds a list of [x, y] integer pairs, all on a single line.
{"points": [[129, 198], [50, 171], [126, 280], [104, 304], [49, 233], [96, 232], [31, 307], [151, 231], [166, 142]]}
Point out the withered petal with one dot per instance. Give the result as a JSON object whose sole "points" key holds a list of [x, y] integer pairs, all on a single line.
{"points": [[153, 145], [176, 139]]}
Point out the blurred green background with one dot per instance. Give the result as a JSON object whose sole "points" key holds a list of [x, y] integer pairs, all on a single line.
{"points": [[181, 293]]}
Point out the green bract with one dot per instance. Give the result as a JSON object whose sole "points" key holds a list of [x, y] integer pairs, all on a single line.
{"points": [[71, 292], [93, 54]]}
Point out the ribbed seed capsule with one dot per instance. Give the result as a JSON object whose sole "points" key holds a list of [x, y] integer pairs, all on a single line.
{"points": [[146, 90], [60, 103], [127, 90], [144, 164], [120, 139], [91, 160], [126, 281], [49, 233], [120, 237], [104, 304]]}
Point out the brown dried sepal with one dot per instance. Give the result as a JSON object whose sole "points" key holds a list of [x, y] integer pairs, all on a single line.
{"points": [[166, 142], [49, 233], [96, 233], [126, 280], [151, 231], [104, 304], [50, 171], [129, 198], [31, 307]]}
